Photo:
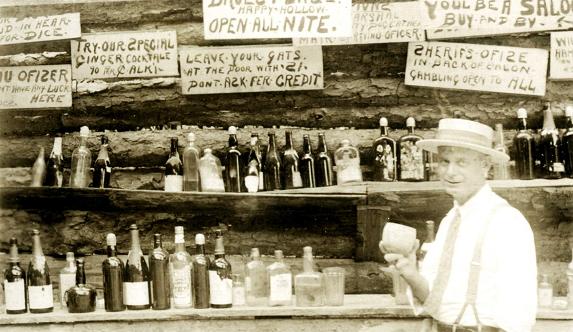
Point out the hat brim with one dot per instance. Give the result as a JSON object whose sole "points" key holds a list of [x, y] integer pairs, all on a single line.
{"points": [[433, 144]]}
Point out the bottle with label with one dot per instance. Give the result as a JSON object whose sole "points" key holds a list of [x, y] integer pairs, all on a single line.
{"points": [[323, 174], [500, 169], [181, 272], [308, 284], [39, 170], [272, 166], [545, 292], [220, 281], [210, 172], [428, 242], [233, 163], [291, 172], [411, 159], [67, 276], [307, 163], [55, 166], [112, 270], [253, 172], [14, 283], [550, 145], [159, 275], [136, 293], [280, 281], [102, 166], [238, 290], [567, 143], [256, 280], [81, 162], [40, 291], [259, 154], [201, 292], [191, 158], [384, 152], [347, 161], [524, 147], [174, 169], [81, 297]]}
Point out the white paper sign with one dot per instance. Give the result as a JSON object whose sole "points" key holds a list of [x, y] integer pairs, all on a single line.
{"points": [[561, 55], [240, 19], [477, 67], [34, 29], [378, 23], [36, 86], [250, 69], [125, 54]]}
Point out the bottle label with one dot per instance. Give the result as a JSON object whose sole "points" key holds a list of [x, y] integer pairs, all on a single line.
{"points": [[558, 167], [411, 161], [41, 297], [348, 172], [15, 295], [67, 280], [179, 238], [384, 160], [181, 279], [221, 289], [281, 287], [261, 181], [252, 183], [296, 179], [135, 293], [173, 183], [212, 183]]}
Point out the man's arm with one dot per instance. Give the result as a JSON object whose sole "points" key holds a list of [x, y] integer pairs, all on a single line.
{"points": [[407, 268]]}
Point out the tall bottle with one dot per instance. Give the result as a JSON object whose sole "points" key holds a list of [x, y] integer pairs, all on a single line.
{"points": [[181, 272], [191, 158], [67, 276], [259, 154], [136, 294], [280, 281], [411, 159], [81, 297], [55, 166], [524, 147], [220, 280], [272, 166], [428, 242], [159, 275], [102, 166], [347, 160], [500, 169], [309, 283], [81, 162], [210, 172], [39, 170], [40, 291], [14, 283], [112, 270], [233, 163], [291, 172], [567, 143], [253, 174], [174, 169], [384, 152], [256, 282], [323, 164], [307, 163], [550, 146], [201, 292]]}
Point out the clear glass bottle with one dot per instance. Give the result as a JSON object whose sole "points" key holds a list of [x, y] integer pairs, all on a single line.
{"points": [[384, 152], [280, 281], [102, 166], [567, 143], [220, 282], [290, 172], [159, 277], [233, 163], [253, 172], [67, 276], [39, 170], [412, 160], [181, 272], [272, 165], [81, 162], [524, 147], [81, 298], [201, 263], [347, 160], [210, 172], [256, 280], [174, 169], [545, 292], [191, 158], [136, 288], [14, 283], [323, 173], [307, 163], [40, 290], [55, 165], [500, 170], [308, 284], [550, 146], [239, 297], [112, 270]]}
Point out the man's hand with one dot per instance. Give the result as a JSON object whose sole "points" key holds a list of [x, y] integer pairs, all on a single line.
{"points": [[405, 265]]}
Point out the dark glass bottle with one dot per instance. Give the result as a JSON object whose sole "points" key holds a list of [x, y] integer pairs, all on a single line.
{"points": [[136, 277], [272, 166], [55, 165], [567, 143], [233, 163], [307, 163], [159, 275], [39, 170], [40, 291], [82, 297], [112, 268], [524, 148], [291, 173], [102, 166], [411, 159], [550, 146], [384, 152], [259, 154], [201, 264], [220, 281], [14, 283], [323, 164], [174, 169], [253, 172]]}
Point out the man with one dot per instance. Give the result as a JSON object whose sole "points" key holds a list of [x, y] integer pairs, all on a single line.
{"points": [[481, 270]]}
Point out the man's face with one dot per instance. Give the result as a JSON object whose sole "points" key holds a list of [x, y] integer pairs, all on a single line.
{"points": [[462, 171]]}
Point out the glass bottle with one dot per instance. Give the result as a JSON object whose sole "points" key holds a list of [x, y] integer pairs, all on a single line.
{"points": [[308, 284], [259, 155], [428, 242], [39, 170], [550, 145], [524, 147], [55, 165], [280, 281], [102, 166], [272, 166], [567, 143], [174, 169], [256, 280], [14, 283], [191, 157], [112, 270], [81, 162], [545, 292], [253, 172], [67, 276], [159, 275], [291, 173], [210, 172], [136, 277], [323, 164], [411, 159], [307, 163], [347, 162], [238, 290], [40, 291], [384, 152], [233, 163], [81, 297], [220, 282], [201, 292], [181, 272], [500, 169]]}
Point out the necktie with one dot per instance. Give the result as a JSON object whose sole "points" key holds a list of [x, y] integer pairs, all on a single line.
{"points": [[434, 300]]}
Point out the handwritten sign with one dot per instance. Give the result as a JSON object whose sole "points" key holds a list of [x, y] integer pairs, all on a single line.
{"points": [[378, 23], [125, 54], [35, 86], [434, 34], [239, 19], [477, 67], [561, 56], [34, 29], [250, 69]]}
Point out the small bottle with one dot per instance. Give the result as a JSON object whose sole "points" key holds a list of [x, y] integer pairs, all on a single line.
{"points": [[159, 275], [81, 297], [280, 282], [136, 293], [102, 166], [308, 284], [55, 166], [67, 276], [567, 143], [347, 162], [14, 283], [545, 292], [323, 173], [500, 169], [384, 152], [174, 169], [256, 280], [112, 270], [272, 166], [524, 147], [81, 162], [220, 282], [428, 242], [210, 172], [181, 272], [191, 158], [307, 163], [291, 173], [238, 290], [201, 292], [411, 159], [550, 146], [253, 172], [233, 163], [40, 291], [39, 170]]}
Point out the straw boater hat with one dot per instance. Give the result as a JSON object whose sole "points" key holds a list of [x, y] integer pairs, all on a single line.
{"points": [[464, 134]]}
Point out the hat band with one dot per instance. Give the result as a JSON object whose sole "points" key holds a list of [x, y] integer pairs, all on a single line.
{"points": [[464, 136]]}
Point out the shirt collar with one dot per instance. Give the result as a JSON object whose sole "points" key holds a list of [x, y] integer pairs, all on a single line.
{"points": [[476, 203]]}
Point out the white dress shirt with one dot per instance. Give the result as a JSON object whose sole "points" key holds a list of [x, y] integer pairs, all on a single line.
{"points": [[507, 288]]}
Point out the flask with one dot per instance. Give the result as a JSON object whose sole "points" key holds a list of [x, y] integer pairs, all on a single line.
{"points": [[39, 170], [15, 283], [567, 143], [253, 172], [210, 172], [308, 284], [500, 169], [191, 157], [201, 292], [112, 270], [384, 152], [524, 146], [181, 272], [220, 282], [40, 291], [272, 166], [81, 297], [173, 169], [411, 159], [307, 163], [102, 166], [280, 281], [256, 280], [67, 276], [81, 162], [323, 164], [291, 173], [136, 277], [55, 165], [159, 275], [550, 146], [347, 162], [233, 164], [545, 292]]}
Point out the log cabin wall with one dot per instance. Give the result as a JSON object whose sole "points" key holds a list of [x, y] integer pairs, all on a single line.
{"points": [[361, 84]]}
